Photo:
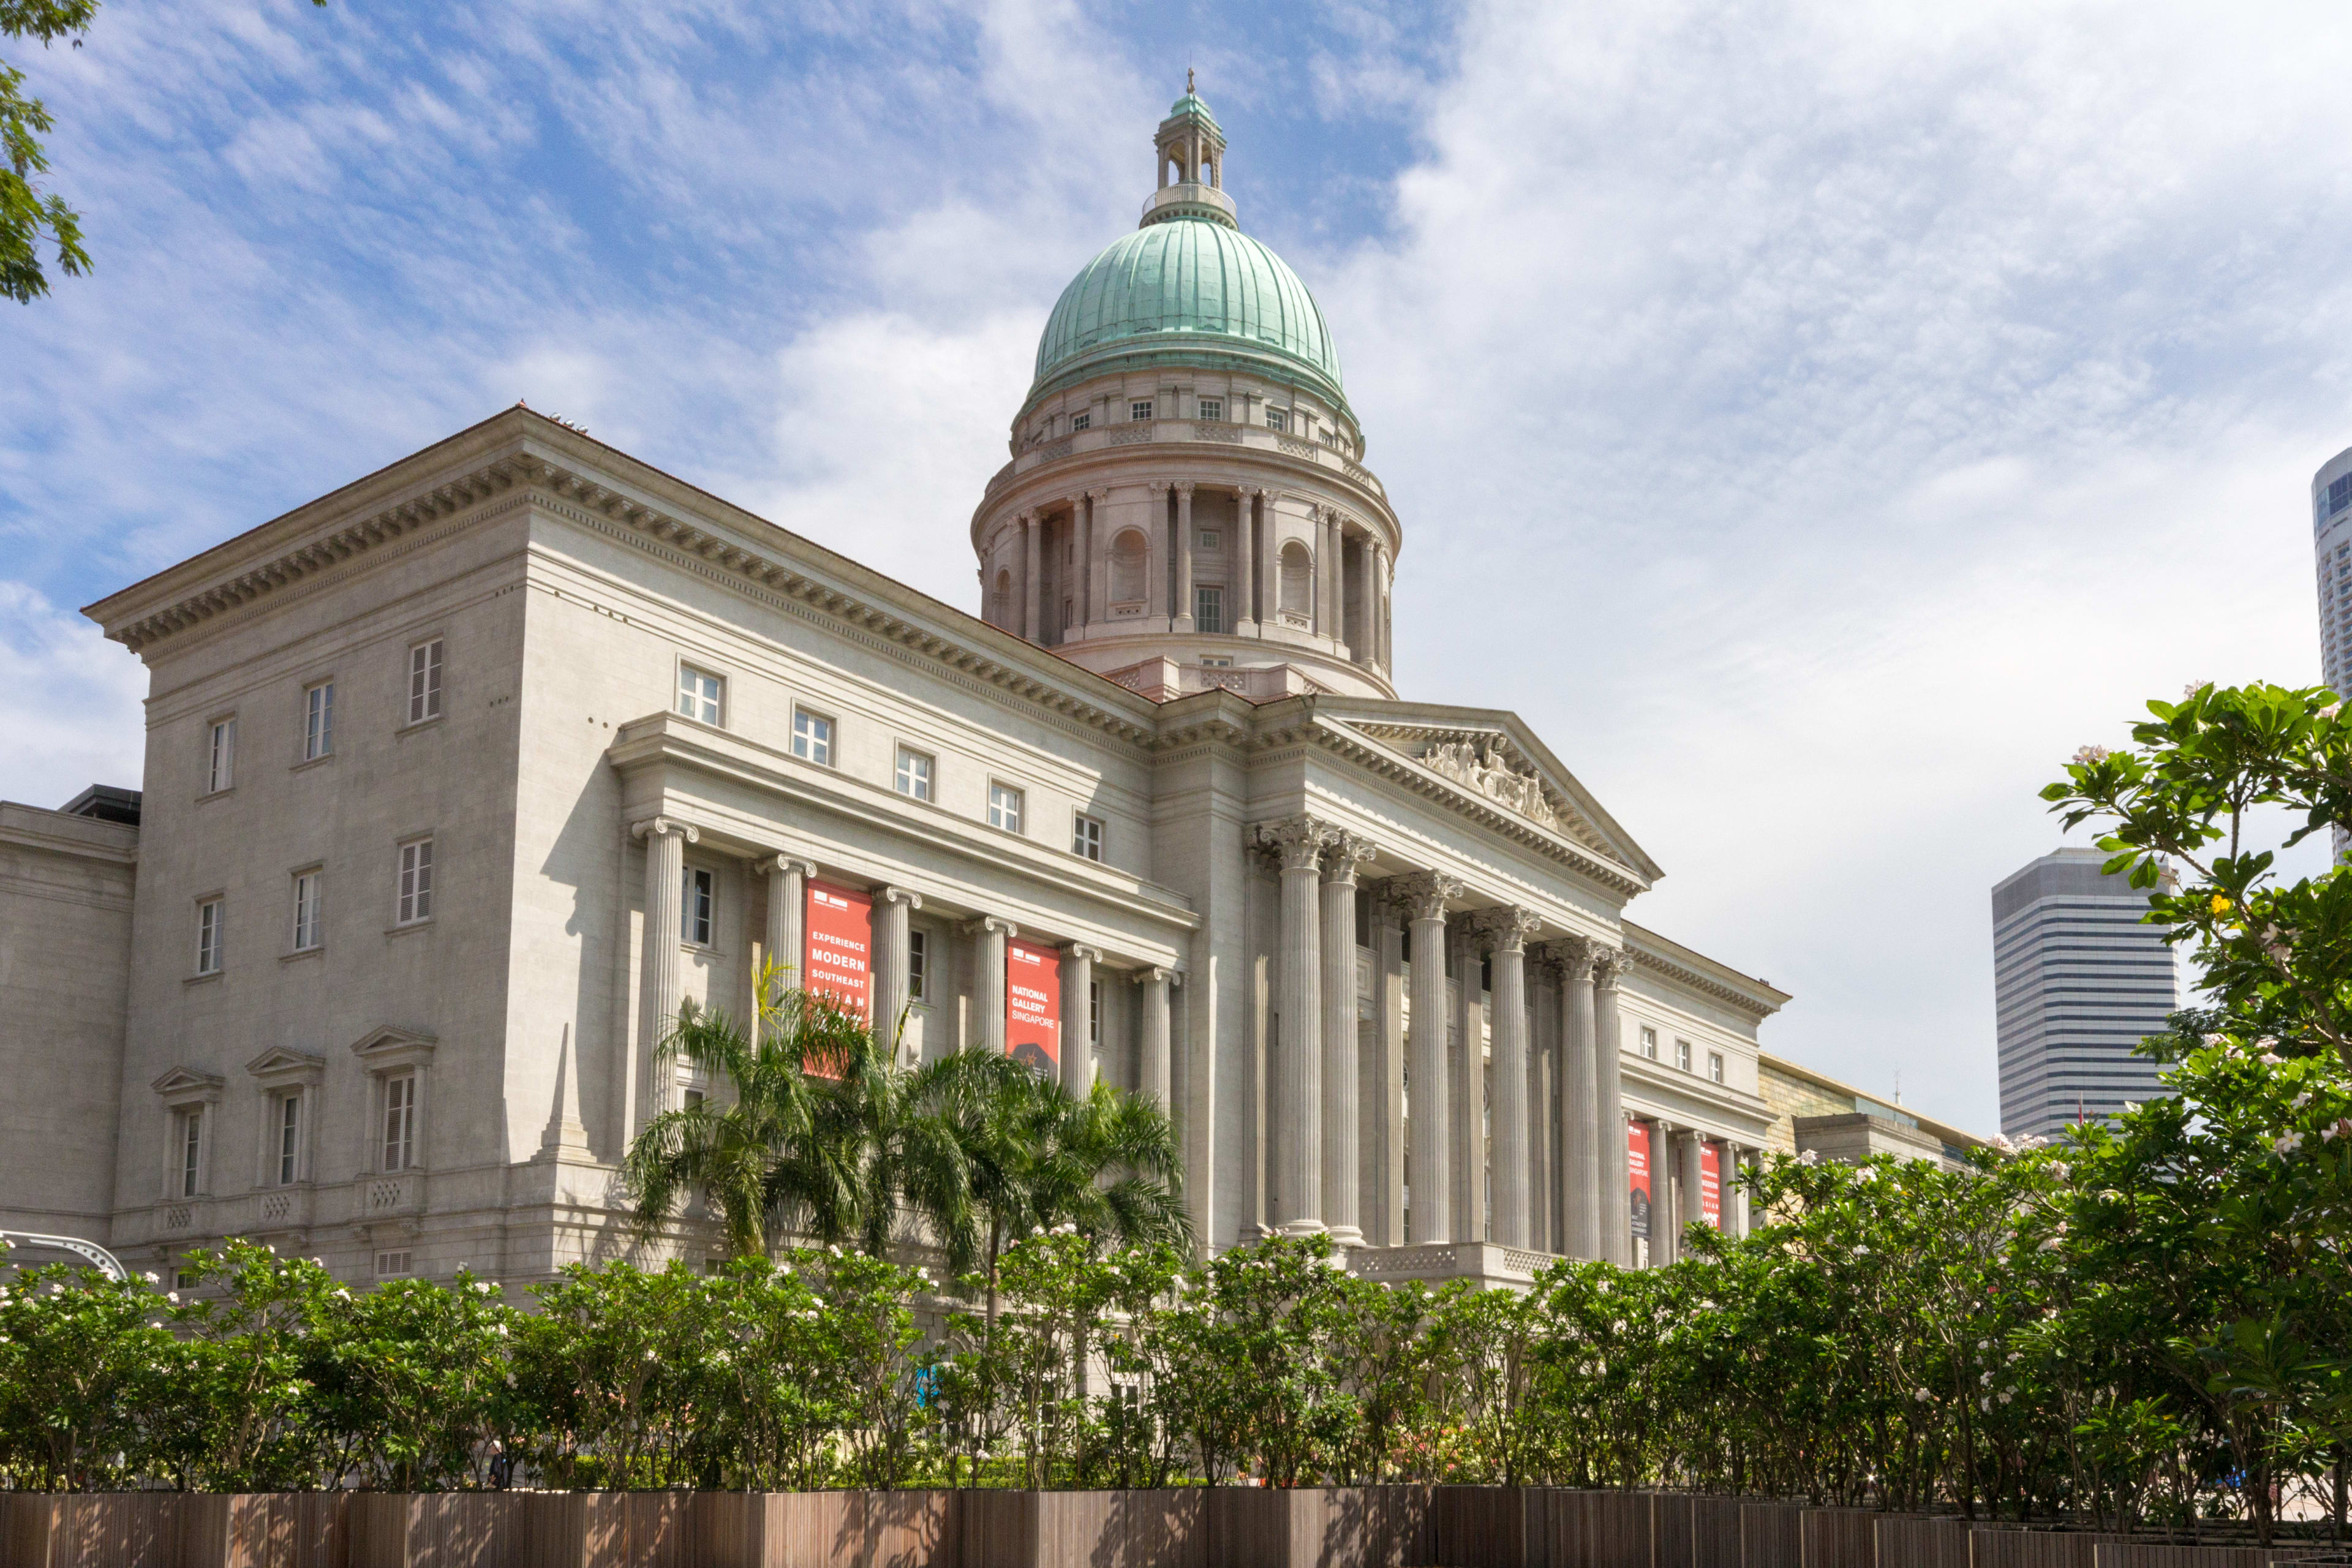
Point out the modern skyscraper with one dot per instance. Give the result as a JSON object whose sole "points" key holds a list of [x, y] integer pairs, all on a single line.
{"points": [[2077, 983], [2331, 528]]}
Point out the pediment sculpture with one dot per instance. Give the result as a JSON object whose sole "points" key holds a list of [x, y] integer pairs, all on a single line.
{"points": [[1487, 771]]}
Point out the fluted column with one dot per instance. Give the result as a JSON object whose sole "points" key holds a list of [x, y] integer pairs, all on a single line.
{"points": [[1031, 626], [1507, 931], [1097, 558], [1245, 560], [992, 931], [1298, 1088], [1269, 560], [1152, 1076], [892, 953], [1468, 1092], [1385, 655], [1328, 618], [1609, 1095], [1160, 565], [1382, 1167], [1082, 551], [1367, 604], [659, 985], [1342, 1088], [1183, 555], [1581, 1182], [1543, 1087], [1694, 1155], [1424, 896], [787, 903], [1079, 962]]}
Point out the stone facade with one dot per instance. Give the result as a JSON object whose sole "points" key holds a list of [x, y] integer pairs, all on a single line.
{"points": [[530, 741]]}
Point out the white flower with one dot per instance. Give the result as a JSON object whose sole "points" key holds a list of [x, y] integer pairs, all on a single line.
{"points": [[153, 1279], [2332, 710], [2130, 1107], [1862, 1252], [173, 1297], [2058, 1168], [2006, 1396], [1921, 1394], [2288, 1143], [1810, 1157], [1987, 1380], [2087, 756], [1985, 1404]]}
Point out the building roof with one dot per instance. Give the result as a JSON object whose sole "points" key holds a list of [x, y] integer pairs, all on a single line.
{"points": [[1821, 1095], [1189, 291]]}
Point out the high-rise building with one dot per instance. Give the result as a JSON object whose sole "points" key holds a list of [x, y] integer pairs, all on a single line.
{"points": [[2078, 981], [2331, 528]]}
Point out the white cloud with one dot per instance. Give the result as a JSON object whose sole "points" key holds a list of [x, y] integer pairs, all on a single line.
{"points": [[69, 703]]}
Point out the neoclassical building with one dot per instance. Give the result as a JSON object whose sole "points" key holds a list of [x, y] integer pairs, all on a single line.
{"points": [[461, 778]]}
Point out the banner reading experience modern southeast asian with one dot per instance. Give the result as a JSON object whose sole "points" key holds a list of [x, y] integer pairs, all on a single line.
{"points": [[1637, 1170], [1033, 1005], [1710, 1183], [839, 961]]}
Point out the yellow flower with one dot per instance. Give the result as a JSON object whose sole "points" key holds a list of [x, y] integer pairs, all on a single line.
{"points": [[2220, 905]]}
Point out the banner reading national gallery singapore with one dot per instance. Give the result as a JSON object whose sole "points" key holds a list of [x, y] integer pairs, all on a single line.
{"points": [[1637, 1172], [1033, 1005]]}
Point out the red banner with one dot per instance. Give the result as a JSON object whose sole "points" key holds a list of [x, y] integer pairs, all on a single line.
{"points": [[1710, 1183], [1033, 1005], [1637, 1170], [839, 961]]}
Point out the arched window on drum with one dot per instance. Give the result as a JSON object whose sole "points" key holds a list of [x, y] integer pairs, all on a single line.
{"points": [[1001, 602], [1130, 557], [1297, 579]]}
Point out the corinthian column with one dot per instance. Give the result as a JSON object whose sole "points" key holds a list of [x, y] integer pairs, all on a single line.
{"points": [[1579, 1106], [659, 980], [1183, 555], [1468, 1092], [1384, 655], [1082, 551], [1077, 1019], [1609, 1095], [1342, 1130], [1298, 844], [1032, 626], [1507, 931], [993, 933], [1243, 556], [894, 954], [1158, 564], [1098, 566], [1367, 606], [1424, 896]]}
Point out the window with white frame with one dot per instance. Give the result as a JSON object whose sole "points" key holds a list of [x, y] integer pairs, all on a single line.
{"points": [[914, 774], [1086, 837], [399, 1147], [1715, 1067], [919, 964], [317, 720], [1682, 1055], [285, 1137], [700, 900], [1207, 608], [424, 681], [1212, 408], [210, 914], [1649, 1042], [812, 737], [308, 887], [1277, 419], [188, 1151], [1005, 807], [700, 694], [220, 766], [414, 902], [1094, 1011], [395, 1263], [1139, 409]]}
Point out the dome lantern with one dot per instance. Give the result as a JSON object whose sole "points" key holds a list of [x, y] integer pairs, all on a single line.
{"points": [[1192, 148]]}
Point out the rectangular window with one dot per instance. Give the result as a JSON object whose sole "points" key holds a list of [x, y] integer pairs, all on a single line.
{"points": [[1277, 419], [400, 1121], [317, 720], [695, 919], [812, 737], [1094, 1011], [208, 937], [1081, 422], [1207, 608], [307, 886], [1141, 410], [1715, 1067], [221, 769], [192, 1151], [1005, 807], [692, 1098], [1086, 837], [914, 774], [415, 903], [918, 964], [185, 1280], [699, 694], [1212, 408], [1682, 1055], [289, 1138], [424, 681], [397, 1264], [1211, 539], [1650, 1042]]}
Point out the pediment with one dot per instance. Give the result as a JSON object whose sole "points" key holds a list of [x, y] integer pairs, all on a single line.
{"points": [[1493, 760], [394, 1045], [186, 1083], [279, 1065]]}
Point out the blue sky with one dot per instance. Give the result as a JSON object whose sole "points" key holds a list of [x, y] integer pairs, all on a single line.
{"points": [[1816, 419]]}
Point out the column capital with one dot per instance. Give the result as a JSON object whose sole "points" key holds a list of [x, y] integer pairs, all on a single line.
{"points": [[1423, 895], [1080, 950], [660, 826], [1507, 927], [1297, 842], [774, 864], [1343, 854], [987, 923], [1574, 955], [1609, 966], [1025, 517], [1157, 487], [1100, 493], [892, 895], [1184, 488], [1154, 975]]}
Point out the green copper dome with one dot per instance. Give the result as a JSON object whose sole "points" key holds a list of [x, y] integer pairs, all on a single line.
{"points": [[1192, 291]]}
